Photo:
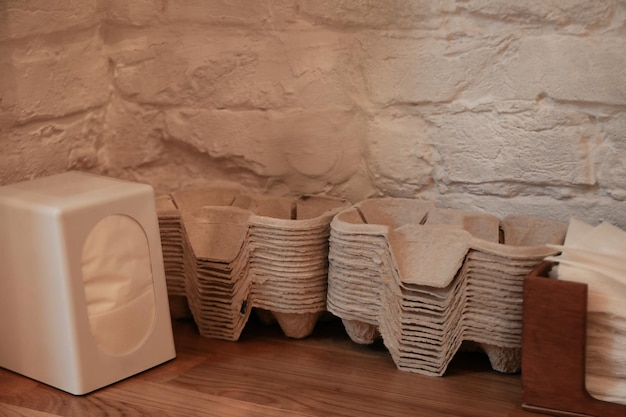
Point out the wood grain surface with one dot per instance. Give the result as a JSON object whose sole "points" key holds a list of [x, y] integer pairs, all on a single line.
{"points": [[267, 374]]}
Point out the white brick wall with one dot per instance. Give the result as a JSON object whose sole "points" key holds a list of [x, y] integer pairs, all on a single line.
{"points": [[487, 104], [53, 87]]}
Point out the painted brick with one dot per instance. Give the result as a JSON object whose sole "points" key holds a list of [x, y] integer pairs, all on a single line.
{"points": [[268, 14], [323, 146], [505, 152], [588, 70], [136, 138], [20, 18], [406, 70], [256, 72], [50, 147], [399, 14], [570, 12], [53, 79], [612, 171], [404, 168]]}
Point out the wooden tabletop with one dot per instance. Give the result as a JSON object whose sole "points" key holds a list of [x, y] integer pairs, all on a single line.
{"points": [[267, 374]]}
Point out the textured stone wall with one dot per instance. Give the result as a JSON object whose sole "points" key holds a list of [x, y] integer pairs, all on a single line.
{"points": [[498, 105], [54, 87]]}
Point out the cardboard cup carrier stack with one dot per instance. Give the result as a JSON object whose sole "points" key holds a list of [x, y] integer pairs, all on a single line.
{"points": [[429, 280], [241, 251]]}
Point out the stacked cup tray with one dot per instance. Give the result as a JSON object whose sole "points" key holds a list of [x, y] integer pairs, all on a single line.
{"points": [[428, 279], [173, 245], [244, 251]]}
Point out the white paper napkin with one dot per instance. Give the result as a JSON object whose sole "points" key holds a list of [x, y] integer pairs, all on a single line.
{"points": [[596, 256], [118, 284]]}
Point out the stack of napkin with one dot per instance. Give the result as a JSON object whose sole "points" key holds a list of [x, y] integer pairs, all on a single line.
{"points": [[427, 279], [596, 256]]}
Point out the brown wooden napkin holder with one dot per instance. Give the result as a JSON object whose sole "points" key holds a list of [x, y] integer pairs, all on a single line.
{"points": [[553, 349]]}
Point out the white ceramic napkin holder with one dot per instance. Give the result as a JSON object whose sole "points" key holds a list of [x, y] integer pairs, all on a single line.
{"points": [[49, 308]]}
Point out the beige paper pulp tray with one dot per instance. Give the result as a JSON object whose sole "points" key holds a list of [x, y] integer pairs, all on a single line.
{"points": [[429, 280]]}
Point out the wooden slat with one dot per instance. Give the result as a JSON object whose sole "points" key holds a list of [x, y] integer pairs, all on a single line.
{"points": [[336, 384], [174, 401], [15, 411], [267, 374]]}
